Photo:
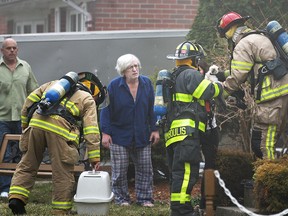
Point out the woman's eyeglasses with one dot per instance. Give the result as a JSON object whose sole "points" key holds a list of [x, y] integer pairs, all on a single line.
{"points": [[133, 66]]}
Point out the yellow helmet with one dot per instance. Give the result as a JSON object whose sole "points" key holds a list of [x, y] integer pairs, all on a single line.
{"points": [[92, 87], [97, 90]]}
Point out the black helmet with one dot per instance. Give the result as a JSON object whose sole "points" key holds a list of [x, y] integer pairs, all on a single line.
{"points": [[187, 50]]}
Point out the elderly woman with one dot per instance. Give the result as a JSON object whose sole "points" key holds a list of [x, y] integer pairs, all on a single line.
{"points": [[128, 130]]}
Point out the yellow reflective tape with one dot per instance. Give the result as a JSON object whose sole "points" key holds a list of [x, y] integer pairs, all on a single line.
{"points": [[61, 205], [274, 93], [43, 95], [202, 126], [178, 130], [24, 119], [185, 182], [55, 129], [217, 90], [238, 65], [94, 154], [188, 122], [201, 102], [183, 122], [91, 130], [201, 88], [270, 141], [175, 136], [175, 139], [34, 97], [19, 190], [266, 82], [182, 198], [186, 98], [70, 106]]}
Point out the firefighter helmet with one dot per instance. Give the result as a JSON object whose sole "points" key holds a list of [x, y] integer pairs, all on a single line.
{"points": [[92, 87], [187, 50], [228, 20], [97, 90]]}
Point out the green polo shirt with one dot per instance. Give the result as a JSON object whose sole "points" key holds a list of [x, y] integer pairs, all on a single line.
{"points": [[15, 86]]}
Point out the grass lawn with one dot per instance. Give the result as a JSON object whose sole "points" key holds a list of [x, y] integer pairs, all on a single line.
{"points": [[40, 200]]}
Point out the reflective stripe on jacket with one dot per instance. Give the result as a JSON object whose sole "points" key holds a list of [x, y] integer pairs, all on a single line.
{"points": [[187, 112], [249, 55], [81, 105]]}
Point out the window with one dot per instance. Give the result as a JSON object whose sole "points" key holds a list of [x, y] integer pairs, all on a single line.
{"points": [[76, 21], [27, 29], [39, 28], [70, 18], [30, 27]]}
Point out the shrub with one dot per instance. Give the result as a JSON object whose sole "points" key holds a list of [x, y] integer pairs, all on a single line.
{"points": [[234, 167], [271, 185]]}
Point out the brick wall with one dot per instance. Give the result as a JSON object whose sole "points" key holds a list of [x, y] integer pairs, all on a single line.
{"points": [[132, 14], [142, 14], [3, 25]]}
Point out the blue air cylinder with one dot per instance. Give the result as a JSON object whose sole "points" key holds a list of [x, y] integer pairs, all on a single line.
{"points": [[160, 107], [58, 90], [274, 28]]}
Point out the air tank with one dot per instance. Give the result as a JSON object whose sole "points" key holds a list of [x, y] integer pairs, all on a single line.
{"points": [[160, 107], [274, 28], [58, 90]]}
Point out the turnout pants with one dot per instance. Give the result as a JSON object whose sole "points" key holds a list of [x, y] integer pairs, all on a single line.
{"points": [[62, 154], [183, 161], [270, 120]]}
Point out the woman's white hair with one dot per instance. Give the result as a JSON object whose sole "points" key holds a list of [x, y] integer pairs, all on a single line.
{"points": [[125, 61]]}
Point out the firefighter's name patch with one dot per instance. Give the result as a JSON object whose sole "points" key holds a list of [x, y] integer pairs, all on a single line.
{"points": [[173, 132]]}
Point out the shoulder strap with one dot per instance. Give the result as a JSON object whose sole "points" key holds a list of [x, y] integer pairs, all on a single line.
{"points": [[178, 70], [174, 76]]}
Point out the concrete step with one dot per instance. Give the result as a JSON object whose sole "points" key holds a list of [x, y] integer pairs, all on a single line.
{"points": [[231, 211]]}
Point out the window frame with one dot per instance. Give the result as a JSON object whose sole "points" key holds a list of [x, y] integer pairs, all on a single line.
{"points": [[20, 26], [78, 25]]}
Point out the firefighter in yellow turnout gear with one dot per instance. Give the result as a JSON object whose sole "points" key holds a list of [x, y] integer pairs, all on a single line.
{"points": [[251, 54], [61, 137], [185, 118]]}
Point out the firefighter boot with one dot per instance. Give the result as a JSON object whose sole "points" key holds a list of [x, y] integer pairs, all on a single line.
{"points": [[63, 212], [17, 206]]}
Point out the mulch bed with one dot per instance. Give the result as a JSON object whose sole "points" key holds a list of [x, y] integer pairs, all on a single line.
{"points": [[161, 191]]}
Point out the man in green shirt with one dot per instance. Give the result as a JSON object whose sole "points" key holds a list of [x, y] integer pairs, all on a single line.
{"points": [[17, 81]]}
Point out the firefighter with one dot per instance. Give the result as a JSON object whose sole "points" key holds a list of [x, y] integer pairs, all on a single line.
{"points": [[251, 53], [186, 116], [58, 129]]}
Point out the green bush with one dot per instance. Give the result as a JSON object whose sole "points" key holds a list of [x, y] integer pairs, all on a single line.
{"points": [[234, 167], [271, 185]]}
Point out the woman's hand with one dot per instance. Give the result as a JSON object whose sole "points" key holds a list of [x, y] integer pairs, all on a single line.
{"points": [[106, 140]]}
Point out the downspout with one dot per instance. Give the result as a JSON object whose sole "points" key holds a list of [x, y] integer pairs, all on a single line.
{"points": [[88, 17]]}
